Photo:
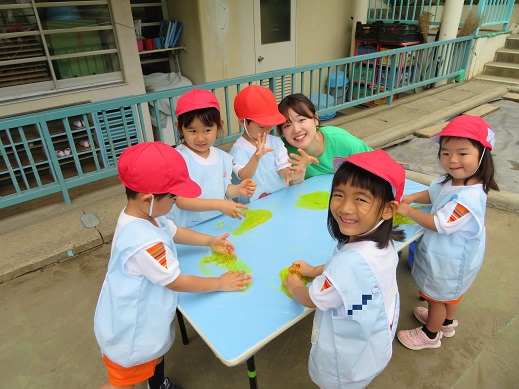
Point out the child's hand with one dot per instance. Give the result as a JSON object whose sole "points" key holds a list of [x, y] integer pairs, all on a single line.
{"points": [[232, 209], [291, 282], [247, 187], [261, 149], [407, 199], [403, 208], [305, 269], [232, 281], [220, 244]]}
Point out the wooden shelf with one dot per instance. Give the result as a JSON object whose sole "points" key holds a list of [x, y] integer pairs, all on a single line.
{"points": [[162, 50], [18, 153]]}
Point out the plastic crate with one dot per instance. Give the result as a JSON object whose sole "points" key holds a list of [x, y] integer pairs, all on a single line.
{"points": [[359, 91], [366, 49], [387, 60], [363, 73], [398, 33], [367, 31]]}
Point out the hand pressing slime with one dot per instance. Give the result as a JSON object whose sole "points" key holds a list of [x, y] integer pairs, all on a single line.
{"points": [[294, 269]]}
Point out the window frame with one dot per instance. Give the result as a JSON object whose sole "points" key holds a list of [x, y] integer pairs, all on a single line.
{"points": [[55, 85]]}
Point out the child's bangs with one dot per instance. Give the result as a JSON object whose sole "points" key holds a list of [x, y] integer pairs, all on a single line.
{"points": [[360, 178], [208, 116]]}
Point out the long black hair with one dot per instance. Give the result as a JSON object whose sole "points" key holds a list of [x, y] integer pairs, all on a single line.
{"points": [[380, 189]]}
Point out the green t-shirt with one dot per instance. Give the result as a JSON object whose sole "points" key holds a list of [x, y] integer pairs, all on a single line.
{"points": [[338, 143]]}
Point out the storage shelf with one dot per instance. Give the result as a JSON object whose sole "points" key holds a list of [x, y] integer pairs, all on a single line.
{"points": [[162, 50], [20, 154]]}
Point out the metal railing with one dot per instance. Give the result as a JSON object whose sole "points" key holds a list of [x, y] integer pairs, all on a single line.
{"points": [[494, 12], [56, 150]]}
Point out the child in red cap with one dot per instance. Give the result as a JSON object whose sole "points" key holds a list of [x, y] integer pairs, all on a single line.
{"points": [[355, 293], [199, 123], [133, 322], [450, 253], [257, 154]]}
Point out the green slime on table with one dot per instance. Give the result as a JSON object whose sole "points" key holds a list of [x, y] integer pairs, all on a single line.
{"points": [[315, 200], [401, 219], [283, 274], [253, 218], [224, 261]]}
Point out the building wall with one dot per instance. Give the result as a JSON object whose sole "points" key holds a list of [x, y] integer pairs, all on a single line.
{"points": [[191, 61], [220, 41], [133, 82], [323, 32]]}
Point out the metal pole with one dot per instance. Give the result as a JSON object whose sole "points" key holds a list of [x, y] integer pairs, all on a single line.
{"points": [[251, 371]]}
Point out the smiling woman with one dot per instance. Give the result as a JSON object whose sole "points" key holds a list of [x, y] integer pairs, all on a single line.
{"points": [[302, 130]]}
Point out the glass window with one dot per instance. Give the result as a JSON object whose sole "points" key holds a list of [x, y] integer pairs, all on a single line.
{"points": [[46, 46], [275, 21]]}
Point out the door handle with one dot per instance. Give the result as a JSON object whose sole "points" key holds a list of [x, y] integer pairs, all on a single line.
{"points": [[260, 58]]}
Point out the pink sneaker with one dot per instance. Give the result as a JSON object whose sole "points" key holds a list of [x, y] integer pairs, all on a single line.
{"points": [[417, 340], [422, 313]]}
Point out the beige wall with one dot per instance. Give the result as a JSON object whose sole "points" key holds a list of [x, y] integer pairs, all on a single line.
{"points": [[130, 64], [192, 60], [220, 43], [323, 32]]}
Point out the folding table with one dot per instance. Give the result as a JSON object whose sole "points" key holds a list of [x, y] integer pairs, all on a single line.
{"points": [[235, 325]]}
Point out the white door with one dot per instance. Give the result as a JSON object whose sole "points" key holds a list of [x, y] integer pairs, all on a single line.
{"points": [[274, 36]]}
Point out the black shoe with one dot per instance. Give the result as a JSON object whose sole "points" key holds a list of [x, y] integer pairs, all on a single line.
{"points": [[167, 384]]}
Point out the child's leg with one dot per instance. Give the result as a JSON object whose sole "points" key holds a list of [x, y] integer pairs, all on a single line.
{"points": [[451, 311], [437, 314], [158, 376]]}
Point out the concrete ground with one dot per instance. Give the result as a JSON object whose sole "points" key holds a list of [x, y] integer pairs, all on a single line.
{"points": [[52, 268]]}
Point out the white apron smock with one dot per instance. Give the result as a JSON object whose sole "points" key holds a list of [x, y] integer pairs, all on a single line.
{"points": [[445, 265], [353, 343], [134, 318], [212, 175]]}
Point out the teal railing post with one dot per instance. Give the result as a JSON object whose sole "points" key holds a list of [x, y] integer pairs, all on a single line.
{"points": [[53, 159], [508, 15]]}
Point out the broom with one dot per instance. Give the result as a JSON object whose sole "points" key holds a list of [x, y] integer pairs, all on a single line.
{"points": [[472, 22], [424, 21]]}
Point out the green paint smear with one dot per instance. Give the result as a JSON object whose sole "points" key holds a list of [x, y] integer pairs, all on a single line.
{"points": [[220, 224], [254, 217], [224, 261], [401, 219], [314, 200], [283, 274]]}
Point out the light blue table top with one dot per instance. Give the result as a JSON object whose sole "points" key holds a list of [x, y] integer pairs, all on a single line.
{"points": [[236, 325]]}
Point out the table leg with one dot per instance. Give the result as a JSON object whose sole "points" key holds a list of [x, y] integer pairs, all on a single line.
{"points": [[251, 371], [182, 327]]}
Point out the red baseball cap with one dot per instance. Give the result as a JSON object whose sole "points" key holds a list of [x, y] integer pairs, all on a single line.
{"points": [[155, 167], [196, 99], [258, 104], [466, 126], [380, 164]]}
